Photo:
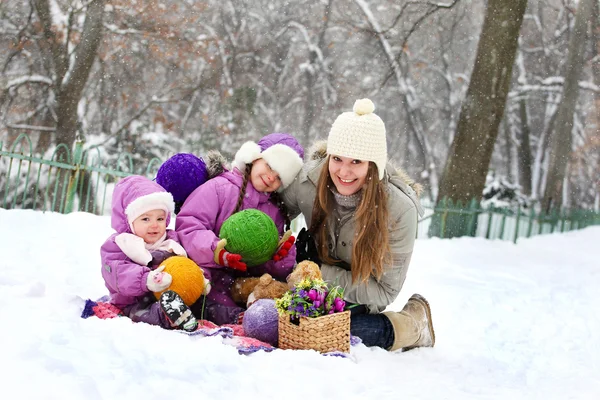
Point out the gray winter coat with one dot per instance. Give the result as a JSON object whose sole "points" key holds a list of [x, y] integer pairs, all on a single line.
{"points": [[404, 209]]}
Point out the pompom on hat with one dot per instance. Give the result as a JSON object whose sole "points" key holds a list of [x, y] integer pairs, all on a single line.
{"points": [[180, 175], [281, 151], [359, 134]]}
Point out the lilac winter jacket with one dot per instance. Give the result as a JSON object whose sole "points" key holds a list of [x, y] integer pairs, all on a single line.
{"points": [[124, 278], [199, 222]]}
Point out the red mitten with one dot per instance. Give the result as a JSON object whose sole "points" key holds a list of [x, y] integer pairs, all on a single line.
{"points": [[231, 260], [285, 244], [227, 259]]}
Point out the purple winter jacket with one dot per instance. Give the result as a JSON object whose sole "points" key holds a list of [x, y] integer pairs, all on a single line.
{"points": [[124, 279], [199, 222]]}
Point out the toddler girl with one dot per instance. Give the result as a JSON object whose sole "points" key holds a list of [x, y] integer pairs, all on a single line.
{"points": [[141, 210]]}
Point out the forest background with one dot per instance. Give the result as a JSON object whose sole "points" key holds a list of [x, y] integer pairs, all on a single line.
{"points": [[471, 91]]}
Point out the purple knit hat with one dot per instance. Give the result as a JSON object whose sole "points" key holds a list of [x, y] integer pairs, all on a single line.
{"points": [[181, 174], [281, 138]]}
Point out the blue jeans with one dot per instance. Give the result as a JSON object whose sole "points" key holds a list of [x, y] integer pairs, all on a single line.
{"points": [[373, 329]]}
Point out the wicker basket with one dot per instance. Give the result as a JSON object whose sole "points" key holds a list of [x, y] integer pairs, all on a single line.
{"points": [[326, 333]]}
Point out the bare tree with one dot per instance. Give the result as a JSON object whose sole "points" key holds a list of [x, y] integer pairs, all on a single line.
{"points": [[70, 68], [468, 161], [561, 139], [472, 147]]}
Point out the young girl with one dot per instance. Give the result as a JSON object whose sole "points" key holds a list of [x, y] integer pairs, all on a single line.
{"points": [[260, 171], [362, 220], [141, 210]]}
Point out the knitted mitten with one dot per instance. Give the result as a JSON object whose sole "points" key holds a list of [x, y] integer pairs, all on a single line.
{"points": [[177, 312]]}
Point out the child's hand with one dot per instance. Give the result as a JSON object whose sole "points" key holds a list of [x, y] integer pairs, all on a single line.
{"points": [[227, 259], [285, 244], [158, 280]]}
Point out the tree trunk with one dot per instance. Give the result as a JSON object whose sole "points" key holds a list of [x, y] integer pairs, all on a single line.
{"points": [[469, 157], [71, 79], [508, 151], [596, 63], [561, 139], [524, 151], [310, 73]]}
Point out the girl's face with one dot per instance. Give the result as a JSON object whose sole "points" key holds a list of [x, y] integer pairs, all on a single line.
{"points": [[263, 178], [151, 225], [348, 175]]}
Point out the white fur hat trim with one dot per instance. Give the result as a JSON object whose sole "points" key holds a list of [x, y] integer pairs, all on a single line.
{"points": [[285, 161], [249, 152], [281, 158], [148, 202]]}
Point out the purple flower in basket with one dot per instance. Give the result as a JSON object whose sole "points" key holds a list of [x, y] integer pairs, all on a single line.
{"points": [[338, 304], [311, 298]]}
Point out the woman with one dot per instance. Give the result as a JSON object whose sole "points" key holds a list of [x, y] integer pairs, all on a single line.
{"points": [[363, 220]]}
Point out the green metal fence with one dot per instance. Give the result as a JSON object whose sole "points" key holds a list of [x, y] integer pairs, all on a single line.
{"points": [[81, 181], [62, 181], [448, 219]]}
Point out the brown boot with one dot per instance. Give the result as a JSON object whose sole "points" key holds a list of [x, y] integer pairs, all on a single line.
{"points": [[412, 326]]}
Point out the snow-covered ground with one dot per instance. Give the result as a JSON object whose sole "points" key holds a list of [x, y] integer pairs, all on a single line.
{"points": [[512, 321]]}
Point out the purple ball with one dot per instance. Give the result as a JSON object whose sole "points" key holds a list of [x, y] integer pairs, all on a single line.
{"points": [[261, 321], [181, 174]]}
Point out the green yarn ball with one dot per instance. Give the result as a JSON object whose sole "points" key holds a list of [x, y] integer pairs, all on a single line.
{"points": [[252, 234]]}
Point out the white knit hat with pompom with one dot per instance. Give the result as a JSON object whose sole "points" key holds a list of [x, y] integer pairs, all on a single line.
{"points": [[359, 134]]}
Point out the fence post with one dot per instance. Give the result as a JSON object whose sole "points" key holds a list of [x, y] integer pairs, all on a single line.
{"points": [[446, 205], [74, 179], [489, 222], [473, 210], [517, 224], [531, 218]]}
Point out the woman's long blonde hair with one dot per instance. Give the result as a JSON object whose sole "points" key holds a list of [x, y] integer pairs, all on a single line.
{"points": [[371, 248]]}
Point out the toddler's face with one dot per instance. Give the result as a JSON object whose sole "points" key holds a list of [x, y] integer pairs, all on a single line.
{"points": [[151, 225]]}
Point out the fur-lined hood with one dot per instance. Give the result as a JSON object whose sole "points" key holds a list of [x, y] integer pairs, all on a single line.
{"points": [[216, 163], [318, 151]]}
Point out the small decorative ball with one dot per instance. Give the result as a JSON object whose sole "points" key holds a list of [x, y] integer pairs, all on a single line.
{"points": [[363, 106], [188, 279], [261, 321], [252, 234], [181, 174]]}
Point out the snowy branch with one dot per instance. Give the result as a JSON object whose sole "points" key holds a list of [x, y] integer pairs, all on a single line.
{"points": [[554, 84], [31, 127]]}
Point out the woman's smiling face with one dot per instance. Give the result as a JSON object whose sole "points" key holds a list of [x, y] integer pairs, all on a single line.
{"points": [[348, 174]]}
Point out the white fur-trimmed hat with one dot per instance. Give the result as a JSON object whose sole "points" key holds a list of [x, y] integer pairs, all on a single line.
{"points": [[359, 134], [281, 158], [153, 201], [135, 195]]}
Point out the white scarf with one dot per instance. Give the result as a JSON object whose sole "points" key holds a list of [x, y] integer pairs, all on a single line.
{"points": [[138, 251]]}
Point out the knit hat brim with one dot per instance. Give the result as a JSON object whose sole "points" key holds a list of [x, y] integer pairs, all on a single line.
{"points": [[249, 152], [149, 202], [281, 158], [285, 161]]}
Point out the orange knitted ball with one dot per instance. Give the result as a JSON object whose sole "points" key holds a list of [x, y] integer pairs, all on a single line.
{"points": [[188, 280]]}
